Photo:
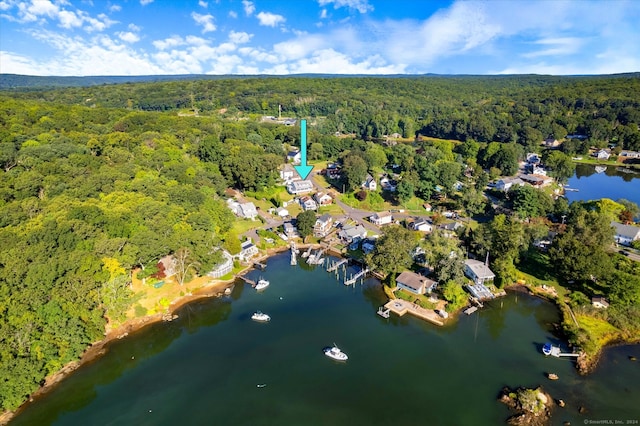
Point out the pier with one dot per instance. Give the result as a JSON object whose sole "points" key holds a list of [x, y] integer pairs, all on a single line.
{"points": [[470, 310], [294, 253], [247, 280], [316, 258], [355, 277], [335, 265], [260, 265], [401, 307], [384, 313]]}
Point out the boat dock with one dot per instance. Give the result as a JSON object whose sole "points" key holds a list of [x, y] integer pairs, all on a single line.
{"points": [[555, 351], [260, 265], [355, 277], [294, 253], [470, 310], [247, 280], [334, 266], [384, 313], [316, 258], [401, 307]]}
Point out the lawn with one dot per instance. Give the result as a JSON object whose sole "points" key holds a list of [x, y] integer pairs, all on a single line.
{"points": [[240, 226], [599, 330]]}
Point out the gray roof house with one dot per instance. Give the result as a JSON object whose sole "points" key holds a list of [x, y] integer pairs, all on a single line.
{"points": [[248, 210], [626, 234], [415, 283], [352, 233], [297, 187], [478, 271], [322, 225], [248, 250]]}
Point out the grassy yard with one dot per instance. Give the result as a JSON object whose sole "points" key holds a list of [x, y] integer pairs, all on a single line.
{"points": [[240, 226], [420, 300], [599, 330]]}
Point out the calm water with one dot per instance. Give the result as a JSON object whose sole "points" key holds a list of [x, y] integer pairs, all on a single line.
{"points": [[203, 368], [612, 183]]}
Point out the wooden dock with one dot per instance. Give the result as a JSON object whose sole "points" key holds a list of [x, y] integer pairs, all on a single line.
{"points": [[384, 313], [260, 265], [247, 280], [470, 310], [355, 277], [401, 307], [334, 266]]}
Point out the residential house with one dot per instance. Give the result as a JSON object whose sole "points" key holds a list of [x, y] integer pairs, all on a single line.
{"points": [[290, 122], [625, 234], [368, 246], [602, 154], [506, 183], [294, 157], [166, 266], [287, 172], [282, 212], [478, 271], [533, 158], [308, 203], [538, 181], [352, 233], [449, 229], [223, 268], [422, 225], [322, 225], [551, 142], [370, 183], [629, 154], [290, 230], [415, 283], [248, 211], [599, 302], [382, 218], [247, 250], [333, 171], [388, 184], [297, 187], [322, 198]]}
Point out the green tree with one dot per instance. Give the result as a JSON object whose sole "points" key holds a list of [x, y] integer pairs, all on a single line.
{"points": [[393, 250], [305, 223], [354, 171]]}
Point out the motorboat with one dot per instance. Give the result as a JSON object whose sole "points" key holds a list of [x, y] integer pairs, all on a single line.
{"points": [[546, 349], [260, 316], [262, 284], [335, 353]]}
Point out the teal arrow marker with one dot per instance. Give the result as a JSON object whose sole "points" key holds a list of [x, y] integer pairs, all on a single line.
{"points": [[303, 169]]}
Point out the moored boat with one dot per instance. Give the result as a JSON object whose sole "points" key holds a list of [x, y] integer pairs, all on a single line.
{"points": [[260, 316], [262, 284], [335, 353], [546, 349]]}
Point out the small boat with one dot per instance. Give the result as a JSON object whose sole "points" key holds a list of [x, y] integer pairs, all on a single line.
{"points": [[552, 376], [262, 284], [335, 353], [546, 349], [261, 385], [442, 313], [260, 316]]}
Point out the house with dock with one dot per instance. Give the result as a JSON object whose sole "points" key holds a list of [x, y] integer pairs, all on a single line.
{"points": [[247, 250], [223, 268], [351, 233], [478, 271], [323, 225], [415, 283]]}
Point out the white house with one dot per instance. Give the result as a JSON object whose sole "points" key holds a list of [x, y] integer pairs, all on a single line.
{"points": [[505, 184], [322, 225], [599, 302], [388, 184], [625, 234], [248, 211], [247, 250], [282, 212], [382, 218], [287, 172], [294, 157], [223, 268], [415, 283], [422, 225], [602, 154], [370, 183], [478, 271], [322, 198], [352, 233], [308, 203], [297, 187], [290, 230], [629, 154]]}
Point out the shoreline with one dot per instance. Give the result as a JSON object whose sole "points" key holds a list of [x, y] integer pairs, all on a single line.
{"points": [[96, 349]]}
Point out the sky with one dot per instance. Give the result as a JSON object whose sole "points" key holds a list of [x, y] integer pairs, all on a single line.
{"points": [[150, 37]]}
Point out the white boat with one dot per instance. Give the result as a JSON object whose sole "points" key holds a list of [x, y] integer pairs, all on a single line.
{"points": [[260, 316], [262, 284], [335, 353]]}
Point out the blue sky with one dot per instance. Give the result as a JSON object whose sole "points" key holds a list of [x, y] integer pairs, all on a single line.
{"points": [[140, 37]]}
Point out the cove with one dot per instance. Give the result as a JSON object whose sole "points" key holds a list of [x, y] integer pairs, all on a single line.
{"points": [[204, 368], [612, 182]]}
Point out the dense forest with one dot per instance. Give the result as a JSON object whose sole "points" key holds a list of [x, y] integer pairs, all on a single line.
{"points": [[99, 180]]}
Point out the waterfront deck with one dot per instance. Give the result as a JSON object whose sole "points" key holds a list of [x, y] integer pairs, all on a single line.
{"points": [[401, 307]]}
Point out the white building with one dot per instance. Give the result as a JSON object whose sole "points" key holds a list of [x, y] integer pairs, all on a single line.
{"points": [[415, 283], [626, 234], [297, 187], [478, 271], [247, 251], [382, 218], [223, 268], [370, 183]]}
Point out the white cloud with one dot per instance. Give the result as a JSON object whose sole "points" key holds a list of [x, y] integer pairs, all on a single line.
{"points": [[69, 19], [323, 14], [128, 36], [206, 21], [115, 8], [239, 37], [556, 46], [145, 2], [270, 19], [233, 14], [361, 6], [249, 7], [203, 4]]}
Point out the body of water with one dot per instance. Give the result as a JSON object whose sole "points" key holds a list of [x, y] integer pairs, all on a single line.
{"points": [[606, 182], [205, 367]]}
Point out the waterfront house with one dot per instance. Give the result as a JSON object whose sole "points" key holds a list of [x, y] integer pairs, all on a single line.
{"points": [[166, 266], [294, 157], [247, 250], [537, 181], [297, 187], [625, 234], [369, 183], [282, 212], [308, 203], [602, 154], [322, 198], [322, 226], [290, 230], [599, 302], [382, 218], [351, 233], [287, 172], [629, 154], [415, 283], [506, 183], [368, 246], [223, 268], [478, 271]]}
